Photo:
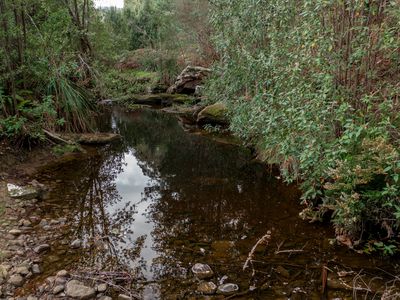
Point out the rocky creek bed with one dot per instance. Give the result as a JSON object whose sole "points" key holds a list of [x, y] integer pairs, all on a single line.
{"points": [[167, 214]]}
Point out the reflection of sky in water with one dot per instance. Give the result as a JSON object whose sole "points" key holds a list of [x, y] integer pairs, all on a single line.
{"points": [[131, 183]]}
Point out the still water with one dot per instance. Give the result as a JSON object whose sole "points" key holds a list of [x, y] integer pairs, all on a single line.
{"points": [[164, 199]]}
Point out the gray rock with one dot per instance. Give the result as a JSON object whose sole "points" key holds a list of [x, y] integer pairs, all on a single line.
{"points": [[62, 273], [189, 79], [76, 244], [105, 298], [16, 280], [22, 192], [25, 223], [228, 289], [101, 288], [77, 290], [43, 222], [207, 288], [41, 248], [58, 289], [32, 298], [202, 271], [36, 269], [3, 271], [124, 297], [22, 270], [15, 232]]}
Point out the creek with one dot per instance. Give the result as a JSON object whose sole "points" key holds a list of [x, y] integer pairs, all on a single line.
{"points": [[163, 199]]}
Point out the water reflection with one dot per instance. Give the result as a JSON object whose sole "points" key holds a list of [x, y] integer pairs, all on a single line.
{"points": [[163, 199]]}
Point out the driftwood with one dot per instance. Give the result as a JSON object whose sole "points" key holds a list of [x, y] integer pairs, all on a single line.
{"points": [[57, 137]]}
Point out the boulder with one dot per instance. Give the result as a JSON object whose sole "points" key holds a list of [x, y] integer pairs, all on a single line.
{"points": [[188, 80], [22, 192], [215, 114], [77, 290]]}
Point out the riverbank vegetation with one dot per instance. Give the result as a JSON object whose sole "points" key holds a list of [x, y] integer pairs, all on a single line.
{"points": [[315, 86], [312, 85]]}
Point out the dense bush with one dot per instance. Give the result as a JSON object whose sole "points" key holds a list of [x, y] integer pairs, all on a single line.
{"points": [[315, 86]]}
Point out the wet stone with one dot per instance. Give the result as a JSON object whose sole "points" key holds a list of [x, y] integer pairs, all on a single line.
{"points": [[41, 248], [227, 289], [207, 288], [22, 192], [202, 271], [77, 290], [16, 280]]}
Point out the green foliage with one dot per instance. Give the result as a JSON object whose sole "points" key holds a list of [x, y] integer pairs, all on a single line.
{"points": [[314, 85]]}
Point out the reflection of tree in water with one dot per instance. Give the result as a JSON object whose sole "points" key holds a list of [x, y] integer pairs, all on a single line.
{"points": [[199, 191], [204, 191]]}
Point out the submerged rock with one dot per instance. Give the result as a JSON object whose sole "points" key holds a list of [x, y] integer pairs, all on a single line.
{"points": [[228, 289], [215, 114], [77, 290], [207, 288], [22, 192], [202, 271]]}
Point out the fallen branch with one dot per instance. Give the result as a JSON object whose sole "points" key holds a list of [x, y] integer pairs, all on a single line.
{"points": [[264, 240], [56, 137]]}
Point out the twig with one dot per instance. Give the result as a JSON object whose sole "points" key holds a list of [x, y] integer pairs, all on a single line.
{"points": [[264, 240]]}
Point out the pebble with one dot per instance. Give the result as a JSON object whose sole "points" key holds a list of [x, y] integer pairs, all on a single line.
{"points": [[76, 244], [36, 269], [123, 297], [32, 298], [25, 222], [16, 280], [22, 271], [202, 271], [58, 289], [15, 232], [228, 289], [43, 223], [62, 273], [41, 248], [105, 298], [207, 288], [101, 288], [76, 289]]}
